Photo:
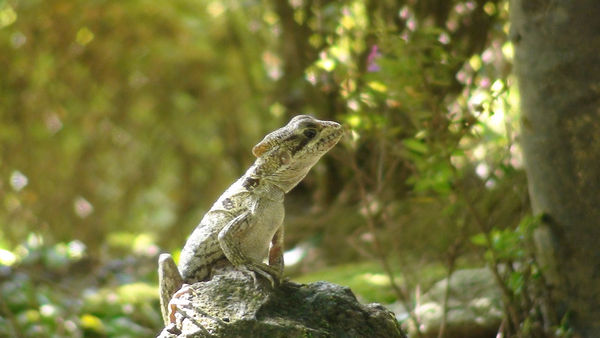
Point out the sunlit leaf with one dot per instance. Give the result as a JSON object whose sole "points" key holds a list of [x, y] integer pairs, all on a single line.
{"points": [[479, 239], [92, 323], [84, 36], [326, 64], [7, 15], [354, 121], [378, 86], [137, 292], [475, 62]]}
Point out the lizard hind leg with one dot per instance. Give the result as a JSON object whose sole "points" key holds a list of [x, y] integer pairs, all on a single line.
{"points": [[229, 242], [169, 281]]}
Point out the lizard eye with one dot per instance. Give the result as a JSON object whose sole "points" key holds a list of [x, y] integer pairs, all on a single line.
{"points": [[310, 133]]}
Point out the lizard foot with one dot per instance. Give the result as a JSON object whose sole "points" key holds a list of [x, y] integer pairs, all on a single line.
{"points": [[177, 304], [266, 271]]}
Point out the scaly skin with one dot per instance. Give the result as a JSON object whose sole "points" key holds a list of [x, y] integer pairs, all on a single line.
{"points": [[244, 226]]}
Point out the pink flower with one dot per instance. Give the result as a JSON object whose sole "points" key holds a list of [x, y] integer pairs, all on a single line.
{"points": [[374, 54]]}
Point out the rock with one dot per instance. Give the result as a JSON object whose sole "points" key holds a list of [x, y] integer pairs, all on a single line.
{"points": [[399, 311], [231, 304], [474, 306]]}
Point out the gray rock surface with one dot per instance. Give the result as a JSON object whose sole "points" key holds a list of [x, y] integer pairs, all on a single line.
{"points": [[231, 304], [474, 306]]}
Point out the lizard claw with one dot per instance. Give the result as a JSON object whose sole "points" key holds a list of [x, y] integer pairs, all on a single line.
{"points": [[176, 301], [269, 273]]}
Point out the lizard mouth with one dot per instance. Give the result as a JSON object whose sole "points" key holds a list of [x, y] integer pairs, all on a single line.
{"points": [[332, 134]]}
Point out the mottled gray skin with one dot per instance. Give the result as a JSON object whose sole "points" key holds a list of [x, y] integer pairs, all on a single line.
{"points": [[244, 226]]}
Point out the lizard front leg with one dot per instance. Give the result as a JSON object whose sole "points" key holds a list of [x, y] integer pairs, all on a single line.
{"points": [[230, 244], [169, 281]]}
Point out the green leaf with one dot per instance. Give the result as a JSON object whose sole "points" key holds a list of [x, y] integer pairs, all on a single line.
{"points": [[415, 146], [92, 323], [479, 239], [516, 281]]}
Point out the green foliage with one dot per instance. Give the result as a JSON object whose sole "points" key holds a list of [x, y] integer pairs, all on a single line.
{"points": [[508, 245], [510, 254], [103, 126], [55, 288]]}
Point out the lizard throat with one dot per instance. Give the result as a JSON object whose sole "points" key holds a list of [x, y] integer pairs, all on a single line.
{"points": [[285, 180]]}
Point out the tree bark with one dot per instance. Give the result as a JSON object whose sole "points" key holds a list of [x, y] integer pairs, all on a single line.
{"points": [[557, 60]]}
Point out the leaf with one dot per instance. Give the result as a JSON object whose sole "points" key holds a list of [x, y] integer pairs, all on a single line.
{"points": [[479, 239], [92, 323], [377, 86], [515, 282], [415, 146]]}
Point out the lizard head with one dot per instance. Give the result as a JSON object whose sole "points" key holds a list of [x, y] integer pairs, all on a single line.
{"points": [[286, 155]]}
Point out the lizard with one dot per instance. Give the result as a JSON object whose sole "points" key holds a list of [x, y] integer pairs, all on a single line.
{"points": [[244, 227]]}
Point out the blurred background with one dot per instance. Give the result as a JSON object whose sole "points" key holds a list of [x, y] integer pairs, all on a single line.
{"points": [[123, 121]]}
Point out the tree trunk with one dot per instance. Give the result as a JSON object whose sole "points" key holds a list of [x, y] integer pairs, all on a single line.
{"points": [[557, 62]]}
